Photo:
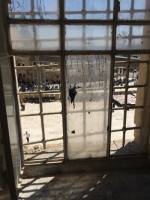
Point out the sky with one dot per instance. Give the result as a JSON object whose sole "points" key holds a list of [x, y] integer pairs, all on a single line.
{"points": [[76, 5]]}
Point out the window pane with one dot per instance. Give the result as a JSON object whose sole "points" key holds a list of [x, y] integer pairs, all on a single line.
{"points": [[32, 37], [28, 9], [53, 126], [27, 77], [116, 141], [29, 104], [131, 98], [138, 74], [136, 96], [129, 136], [51, 102], [55, 152], [50, 77], [73, 5], [139, 9], [125, 4], [133, 141], [118, 98], [133, 37], [117, 119], [134, 118], [140, 4], [120, 72], [96, 5], [87, 77], [90, 37], [89, 9], [33, 126]]}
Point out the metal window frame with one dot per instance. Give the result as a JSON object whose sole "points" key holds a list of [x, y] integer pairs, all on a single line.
{"points": [[39, 94], [125, 107], [61, 22]]}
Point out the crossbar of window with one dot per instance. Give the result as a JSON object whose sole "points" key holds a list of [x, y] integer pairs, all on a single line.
{"points": [[79, 21], [129, 107], [42, 92], [79, 52], [126, 129], [35, 67], [130, 86], [40, 113], [133, 61]]}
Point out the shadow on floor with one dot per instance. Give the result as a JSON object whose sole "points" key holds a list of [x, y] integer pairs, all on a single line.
{"points": [[123, 185], [131, 148], [44, 157]]}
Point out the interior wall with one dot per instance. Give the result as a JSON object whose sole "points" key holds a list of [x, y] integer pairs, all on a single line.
{"points": [[144, 94]]}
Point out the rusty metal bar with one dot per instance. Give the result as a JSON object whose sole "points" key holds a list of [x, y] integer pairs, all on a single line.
{"points": [[115, 17], [63, 77], [126, 101]]}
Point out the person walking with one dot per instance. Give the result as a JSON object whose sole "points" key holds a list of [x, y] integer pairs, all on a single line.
{"points": [[27, 137]]}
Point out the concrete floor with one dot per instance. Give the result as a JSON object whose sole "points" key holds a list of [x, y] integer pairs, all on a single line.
{"points": [[121, 185]]}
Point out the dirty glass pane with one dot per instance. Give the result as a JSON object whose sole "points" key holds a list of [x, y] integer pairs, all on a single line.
{"points": [[53, 126], [55, 153], [118, 98], [129, 136], [131, 97], [120, 71], [125, 5], [51, 102], [49, 77], [34, 37], [91, 37], [133, 141], [89, 9], [134, 117], [32, 125], [116, 141], [29, 104], [136, 96], [26, 78], [117, 119], [34, 9], [133, 37], [134, 10], [87, 86], [138, 73]]}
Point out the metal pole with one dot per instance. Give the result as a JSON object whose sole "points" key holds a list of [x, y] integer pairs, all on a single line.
{"points": [[41, 107], [63, 78], [126, 101], [115, 18]]}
